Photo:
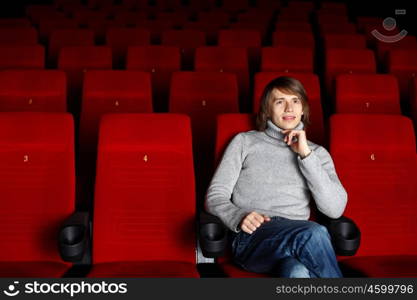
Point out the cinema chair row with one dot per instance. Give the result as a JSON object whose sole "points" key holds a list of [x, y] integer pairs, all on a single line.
{"points": [[144, 217]]}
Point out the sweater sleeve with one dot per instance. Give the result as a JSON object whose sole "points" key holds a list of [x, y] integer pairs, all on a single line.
{"points": [[218, 198], [323, 182]]}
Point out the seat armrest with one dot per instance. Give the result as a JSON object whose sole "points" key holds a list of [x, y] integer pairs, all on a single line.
{"points": [[212, 235], [345, 235], [74, 236]]}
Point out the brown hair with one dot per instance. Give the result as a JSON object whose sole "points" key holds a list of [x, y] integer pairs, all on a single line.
{"points": [[287, 85]]}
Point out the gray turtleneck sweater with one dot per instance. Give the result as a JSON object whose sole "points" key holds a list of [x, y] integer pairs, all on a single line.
{"points": [[260, 172]]}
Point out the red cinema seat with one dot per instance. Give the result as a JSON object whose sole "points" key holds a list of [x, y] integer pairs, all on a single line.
{"points": [[293, 26], [226, 59], [68, 37], [111, 91], [37, 191], [406, 43], [246, 38], [155, 27], [187, 40], [294, 13], [413, 101], [344, 41], [119, 39], [144, 173], [316, 131], [367, 93], [22, 57], [235, 6], [37, 12], [293, 39], [337, 28], [33, 90], [14, 23], [161, 62], [18, 36], [47, 25], [403, 65], [202, 96], [287, 59], [378, 173], [76, 61], [350, 61]]}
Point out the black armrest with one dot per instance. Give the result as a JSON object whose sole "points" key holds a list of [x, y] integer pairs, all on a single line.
{"points": [[345, 235], [213, 235], [74, 237]]}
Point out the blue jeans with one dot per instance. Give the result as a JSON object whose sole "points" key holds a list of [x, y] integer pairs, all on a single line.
{"points": [[287, 248]]}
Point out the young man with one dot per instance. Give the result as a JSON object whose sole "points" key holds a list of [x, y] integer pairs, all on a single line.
{"points": [[262, 188]]}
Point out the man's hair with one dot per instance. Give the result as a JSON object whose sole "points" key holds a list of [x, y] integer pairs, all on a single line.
{"points": [[286, 85]]}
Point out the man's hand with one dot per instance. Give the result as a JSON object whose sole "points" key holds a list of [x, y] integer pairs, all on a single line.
{"points": [[300, 146], [252, 221]]}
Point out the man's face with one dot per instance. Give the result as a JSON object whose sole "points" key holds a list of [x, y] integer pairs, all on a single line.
{"points": [[285, 110]]}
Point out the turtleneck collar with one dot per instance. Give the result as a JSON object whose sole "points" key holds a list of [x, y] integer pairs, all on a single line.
{"points": [[275, 132]]}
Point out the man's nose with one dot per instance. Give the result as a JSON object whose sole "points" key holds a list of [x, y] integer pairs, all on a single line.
{"points": [[288, 106]]}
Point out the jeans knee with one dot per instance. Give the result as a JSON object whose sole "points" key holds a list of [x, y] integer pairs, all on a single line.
{"points": [[292, 268], [318, 231]]}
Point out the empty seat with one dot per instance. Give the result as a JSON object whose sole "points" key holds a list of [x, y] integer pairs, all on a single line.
{"points": [[337, 28], [203, 95], [37, 12], [111, 92], [37, 191], [316, 131], [161, 62], [179, 17], [18, 36], [293, 26], [378, 173], [403, 65], [235, 6], [406, 43], [100, 28], [130, 18], [293, 39], [33, 90], [344, 41], [413, 102], [363, 93], [187, 40], [144, 173], [68, 37], [14, 22], [46, 26], [119, 39], [287, 59], [76, 61], [249, 39], [155, 27], [293, 13], [22, 57], [351, 61], [226, 59]]}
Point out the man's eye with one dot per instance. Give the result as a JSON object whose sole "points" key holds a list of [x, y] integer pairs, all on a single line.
{"points": [[296, 100], [278, 102]]}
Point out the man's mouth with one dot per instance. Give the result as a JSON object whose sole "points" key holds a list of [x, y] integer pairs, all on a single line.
{"points": [[288, 118]]}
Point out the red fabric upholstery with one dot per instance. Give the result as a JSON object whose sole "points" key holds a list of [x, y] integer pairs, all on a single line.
{"points": [[187, 40], [47, 25], [378, 173], [76, 61], [145, 269], [111, 91], [403, 64], [68, 37], [363, 93], [337, 28], [203, 95], [408, 42], [339, 61], [161, 62], [251, 39], [225, 59], [22, 57], [344, 41], [287, 59], [388, 266], [293, 26], [119, 39], [18, 36], [316, 131], [36, 191], [33, 90], [144, 206], [293, 39], [15, 23]]}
